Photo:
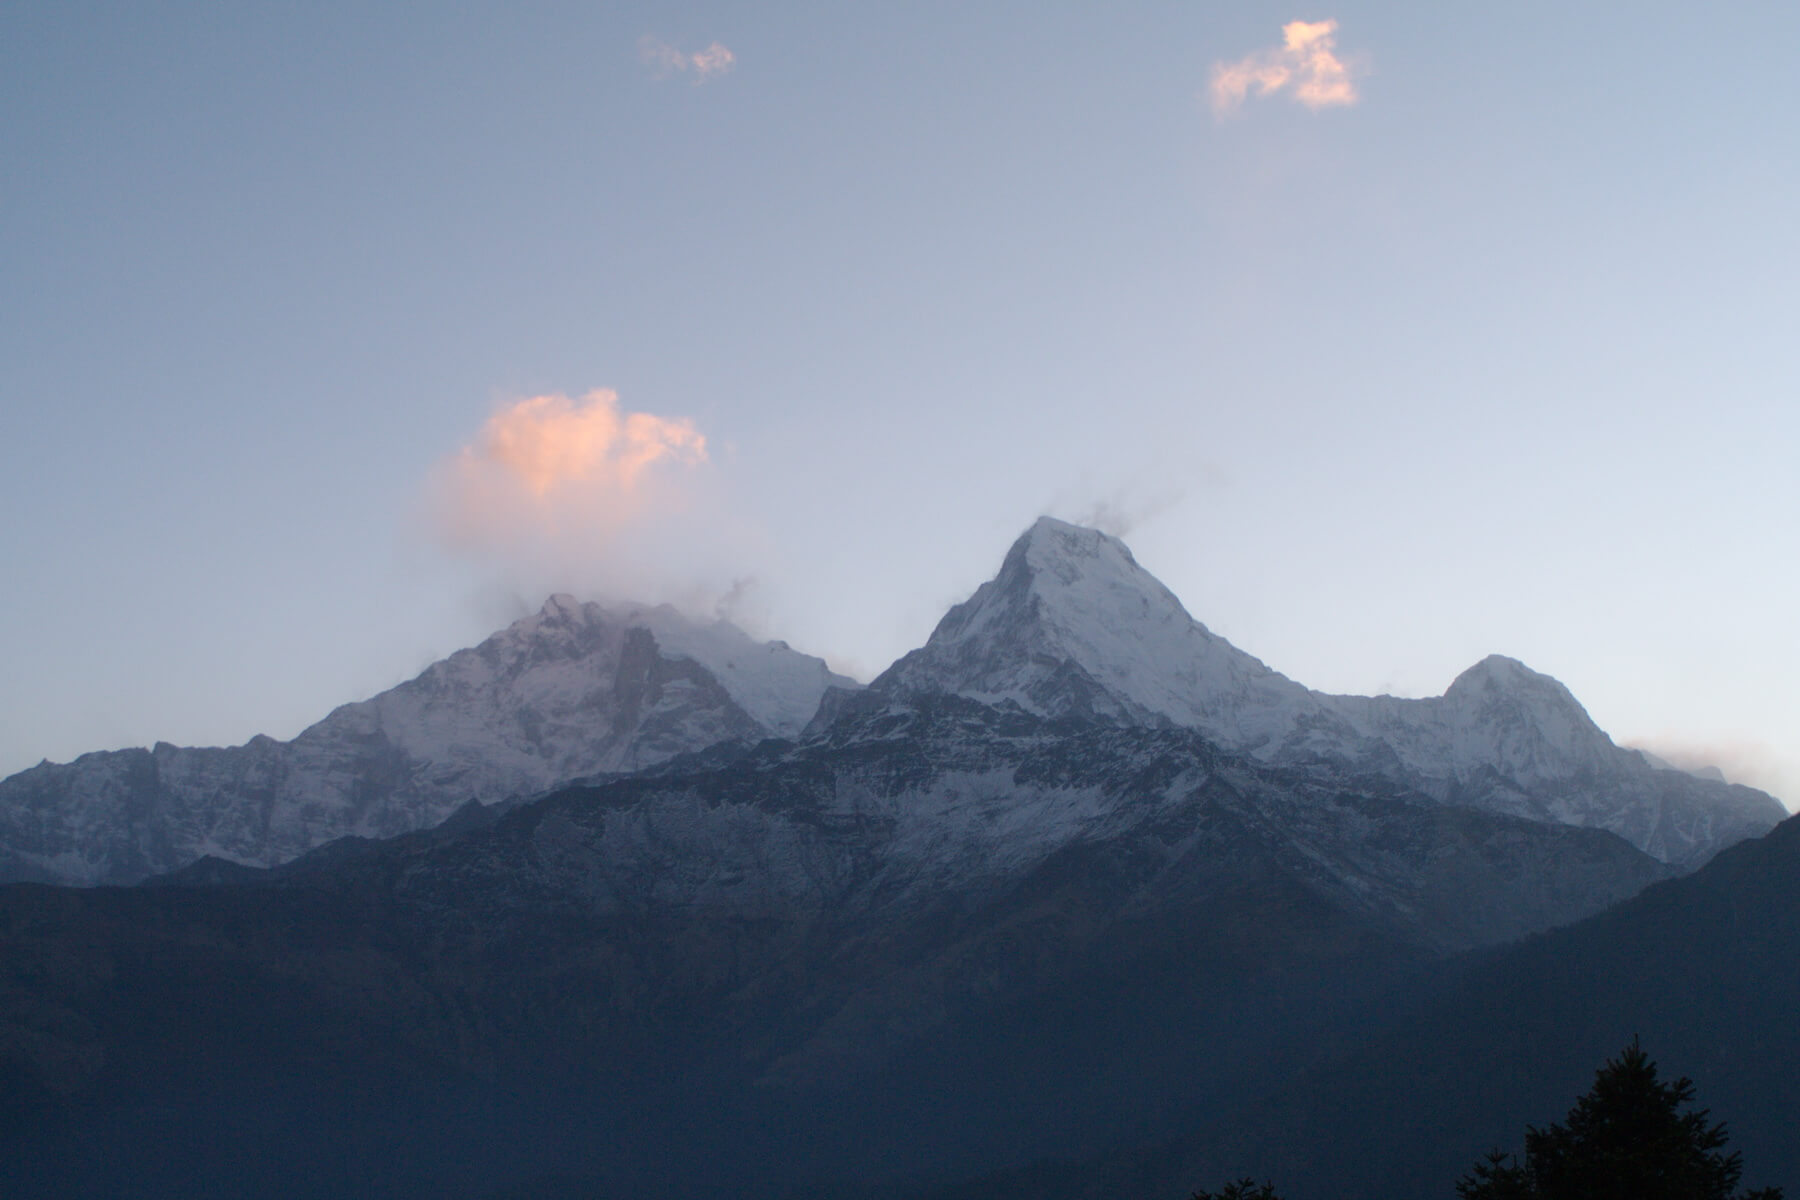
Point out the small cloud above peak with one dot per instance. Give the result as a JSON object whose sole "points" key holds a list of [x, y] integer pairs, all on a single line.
{"points": [[1121, 512], [1306, 67], [664, 59]]}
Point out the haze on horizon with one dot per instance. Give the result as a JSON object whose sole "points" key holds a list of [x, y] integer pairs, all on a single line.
{"points": [[1389, 339]]}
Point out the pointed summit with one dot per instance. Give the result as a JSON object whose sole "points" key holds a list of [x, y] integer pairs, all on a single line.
{"points": [[560, 609], [1073, 626], [1064, 549]]}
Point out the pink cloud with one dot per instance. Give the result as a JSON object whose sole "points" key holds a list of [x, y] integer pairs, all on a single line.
{"points": [[1305, 66], [665, 59], [550, 466]]}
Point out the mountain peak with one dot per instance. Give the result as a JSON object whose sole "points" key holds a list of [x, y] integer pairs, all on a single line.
{"points": [[1076, 574], [1518, 721], [562, 619], [1497, 670], [778, 686], [561, 606], [1072, 625], [1498, 679], [1051, 541]]}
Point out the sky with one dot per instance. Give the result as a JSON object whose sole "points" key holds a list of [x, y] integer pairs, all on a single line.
{"points": [[335, 336]]}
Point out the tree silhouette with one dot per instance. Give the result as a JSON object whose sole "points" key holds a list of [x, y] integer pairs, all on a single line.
{"points": [[1627, 1139], [1242, 1189]]}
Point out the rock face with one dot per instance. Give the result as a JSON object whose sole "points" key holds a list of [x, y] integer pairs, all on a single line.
{"points": [[1072, 626], [575, 690], [892, 812]]}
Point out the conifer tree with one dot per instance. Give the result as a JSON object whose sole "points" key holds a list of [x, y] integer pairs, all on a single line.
{"points": [[1242, 1189], [1627, 1139]]}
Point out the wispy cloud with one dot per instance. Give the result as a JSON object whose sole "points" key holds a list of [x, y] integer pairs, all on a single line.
{"points": [[1739, 760], [1306, 67], [665, 60], [1122, 513]]}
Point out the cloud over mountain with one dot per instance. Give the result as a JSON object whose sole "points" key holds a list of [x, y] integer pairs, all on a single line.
{"points": [[552, 484]]}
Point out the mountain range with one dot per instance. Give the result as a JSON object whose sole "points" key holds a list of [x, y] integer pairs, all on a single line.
{"points": [[1071, 626], [1075, 875]]}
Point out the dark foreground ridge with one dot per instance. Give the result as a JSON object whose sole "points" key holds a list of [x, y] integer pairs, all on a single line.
{"points": [[939, 939], [1703, 968]]}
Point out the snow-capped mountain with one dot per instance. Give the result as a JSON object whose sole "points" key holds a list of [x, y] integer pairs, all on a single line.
{"points": [[573, 690], [1071, 629], [1073, 626], [1507, 738]]}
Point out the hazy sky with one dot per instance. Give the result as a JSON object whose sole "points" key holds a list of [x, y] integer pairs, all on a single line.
{"points": [[333, 336]]}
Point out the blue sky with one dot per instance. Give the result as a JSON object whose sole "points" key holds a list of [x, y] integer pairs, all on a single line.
{"points": [[1497, 358]]}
